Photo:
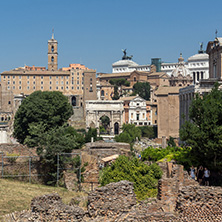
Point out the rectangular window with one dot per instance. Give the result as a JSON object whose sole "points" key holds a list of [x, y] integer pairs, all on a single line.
{"points": [[20, 87], [41, 82], [20, 77], [72, 87], [137, 116], [67, 87], [57, 82], [33, 77], [13, 77], [57, 77], [61, 77], [27, 77], [57, 87], [41, 87], [20, 82], [62, 82], [13, 87], [34, 83], [50, 77], [41, 77], [27, 82], [50, 83], [4, 77], [50, 87], [61, 87], [8, 77], [67, 83], [67, 77], [33, 87], [27, 87], [13, 82], [77, 82], [77, 74]]}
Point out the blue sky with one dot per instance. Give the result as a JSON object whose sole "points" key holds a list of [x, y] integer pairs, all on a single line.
{"points": [[93, 32]]}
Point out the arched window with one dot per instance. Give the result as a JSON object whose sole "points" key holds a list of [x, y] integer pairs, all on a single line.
{"points": [[52, 59], [116, 128], [73, 101], [52, 48], [134, 79], [102, 93]]}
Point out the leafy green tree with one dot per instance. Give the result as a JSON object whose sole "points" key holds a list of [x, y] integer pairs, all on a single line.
{"points": [[148, 131], [118, 83], [171, 142], [129, 134], [92, 132], [142, 89], [145, 177], [41, 109], [56, 141], [204, 132], [182, 155]]}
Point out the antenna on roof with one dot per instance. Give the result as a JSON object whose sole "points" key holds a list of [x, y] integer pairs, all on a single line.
{"points": [[216, 33]]}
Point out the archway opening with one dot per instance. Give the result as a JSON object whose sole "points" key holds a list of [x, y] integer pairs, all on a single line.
{"points": [[116, 128], [73, 101], [104, 127]]}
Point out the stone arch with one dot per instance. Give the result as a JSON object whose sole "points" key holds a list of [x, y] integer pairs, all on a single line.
{"points": [[116, 128], [73, 101], [104, 124], [92, 125]]}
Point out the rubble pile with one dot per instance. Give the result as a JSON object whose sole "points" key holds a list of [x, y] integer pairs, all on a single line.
{"points": [[48, 208]]}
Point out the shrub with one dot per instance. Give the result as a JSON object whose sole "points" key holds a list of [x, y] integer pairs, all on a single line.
{"points": [[145, 177], [12, 157]]}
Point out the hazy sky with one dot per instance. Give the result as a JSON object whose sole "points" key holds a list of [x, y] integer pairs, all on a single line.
{"points": [[93, 32]]}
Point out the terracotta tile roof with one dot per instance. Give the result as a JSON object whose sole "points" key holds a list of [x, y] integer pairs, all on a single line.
{"points": [[128, 98]]}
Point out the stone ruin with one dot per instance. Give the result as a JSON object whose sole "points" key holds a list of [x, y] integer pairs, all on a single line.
{"points": [[179, 199]]}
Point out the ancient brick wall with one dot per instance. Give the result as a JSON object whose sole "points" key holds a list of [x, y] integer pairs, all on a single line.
{"points": [[18, 149], [199, 203]]}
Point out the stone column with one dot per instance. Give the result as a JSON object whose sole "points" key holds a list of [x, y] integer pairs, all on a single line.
{"points": [[97, 121], [111, 124]]}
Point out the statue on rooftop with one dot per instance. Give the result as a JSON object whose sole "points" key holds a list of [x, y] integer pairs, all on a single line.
{"points": [[125, 57]]}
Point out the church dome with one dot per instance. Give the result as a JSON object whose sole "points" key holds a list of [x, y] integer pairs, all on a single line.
{"points": [[199, 56], [124, 62], [180, 69]]}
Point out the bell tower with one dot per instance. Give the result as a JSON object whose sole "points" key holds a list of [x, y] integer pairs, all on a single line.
{"points": [[52, 53]]}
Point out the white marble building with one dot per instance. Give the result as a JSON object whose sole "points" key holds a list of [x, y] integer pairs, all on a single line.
{"points": [[198, 65], [137, 112]]}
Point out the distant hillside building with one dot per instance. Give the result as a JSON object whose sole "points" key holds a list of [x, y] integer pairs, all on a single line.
{"points": [[76, 81]]}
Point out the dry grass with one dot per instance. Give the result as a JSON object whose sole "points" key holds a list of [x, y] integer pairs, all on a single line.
{"points": [[17, 196]]}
